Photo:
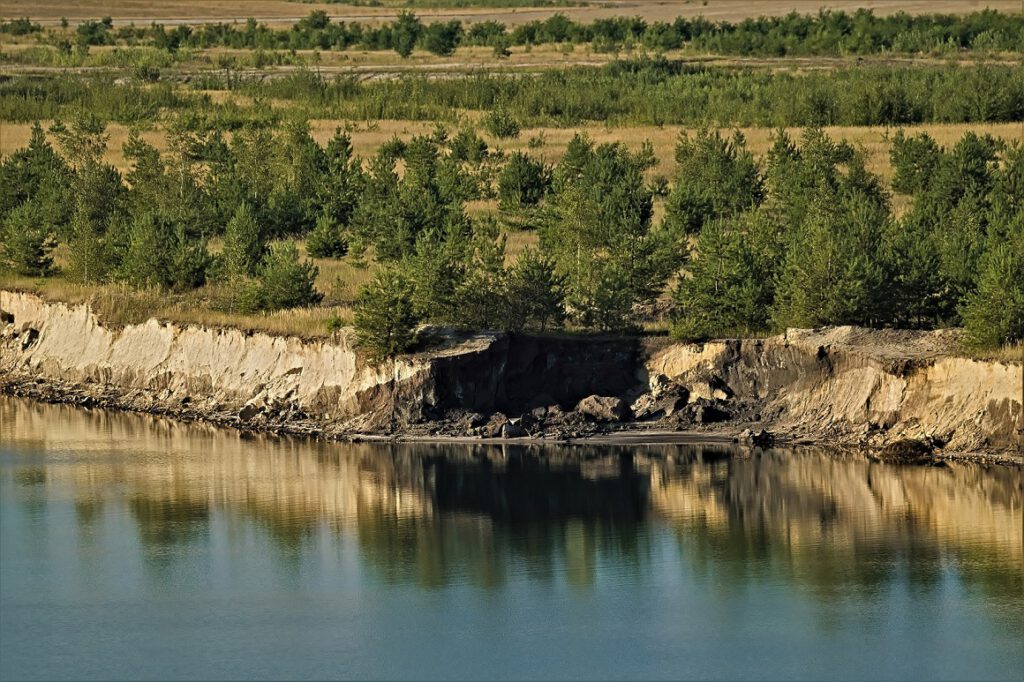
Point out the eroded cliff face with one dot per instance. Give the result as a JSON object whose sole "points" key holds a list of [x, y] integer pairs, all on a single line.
{"points": [[264, 381], [862, 385], [839, 384], [157, 366]]}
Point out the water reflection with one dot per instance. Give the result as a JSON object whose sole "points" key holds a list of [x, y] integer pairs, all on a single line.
{"points": [[434, 515]]}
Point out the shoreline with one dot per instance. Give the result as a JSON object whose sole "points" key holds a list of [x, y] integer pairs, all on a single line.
{"points": [[726, 434]]}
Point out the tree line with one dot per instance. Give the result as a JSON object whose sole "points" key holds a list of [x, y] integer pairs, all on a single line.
{"points": [[826, 33], [808, 237], [628, 92]]}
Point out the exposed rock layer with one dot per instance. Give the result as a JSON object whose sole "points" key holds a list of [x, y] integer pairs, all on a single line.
{"points": [[861, 385], [842, 384]]}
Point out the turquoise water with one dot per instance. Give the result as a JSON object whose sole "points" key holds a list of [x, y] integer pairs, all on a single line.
{"points": [[135, 547]]}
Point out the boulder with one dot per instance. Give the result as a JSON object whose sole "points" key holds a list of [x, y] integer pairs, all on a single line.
{"points": [[760, 438], [710, 387], [604, 408], [494, 425], [248, 412], [654, 406], [512, 430]]}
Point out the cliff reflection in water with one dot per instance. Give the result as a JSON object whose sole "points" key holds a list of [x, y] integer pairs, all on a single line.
{"points": [[438, 514]]}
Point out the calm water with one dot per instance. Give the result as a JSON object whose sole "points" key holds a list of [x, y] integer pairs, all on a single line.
{"points": [[137, 547]]}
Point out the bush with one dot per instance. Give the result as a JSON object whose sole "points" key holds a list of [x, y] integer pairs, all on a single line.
{"points": [[385, 322], [283, 281], [501, 124]]}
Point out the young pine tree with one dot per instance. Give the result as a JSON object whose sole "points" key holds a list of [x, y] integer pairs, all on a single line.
{"points": [[730, 288], [993, 313], [326, 240], [536, 292], [243, 243], [25, 245], [715, 177], [385, 321], [283, 281]]}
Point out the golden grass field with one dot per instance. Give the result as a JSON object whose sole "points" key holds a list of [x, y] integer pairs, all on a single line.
{"points": [[282, 11]]}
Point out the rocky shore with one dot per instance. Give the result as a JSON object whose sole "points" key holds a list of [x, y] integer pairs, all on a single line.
{"points": [[904, 395]]}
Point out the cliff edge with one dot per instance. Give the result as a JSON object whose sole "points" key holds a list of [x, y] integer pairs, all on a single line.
{"points": [[843, 384]]}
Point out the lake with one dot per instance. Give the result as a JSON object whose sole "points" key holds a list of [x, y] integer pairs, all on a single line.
{"points": [[139, 547]]}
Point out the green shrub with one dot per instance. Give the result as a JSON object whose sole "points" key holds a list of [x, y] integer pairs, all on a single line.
{"points": [[501, 124], [283, 281]]}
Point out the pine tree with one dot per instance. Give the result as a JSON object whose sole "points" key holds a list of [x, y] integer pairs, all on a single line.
{"points": [[243, 243], [326, 240], [833, 271], [994, 312], [147, 258], [25, 245], [731, 285], [385, 321], [715, 177], [283, 281], [536, 292]]}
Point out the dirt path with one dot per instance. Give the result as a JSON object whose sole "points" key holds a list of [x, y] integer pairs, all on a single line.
{"points": [[282, 11]]}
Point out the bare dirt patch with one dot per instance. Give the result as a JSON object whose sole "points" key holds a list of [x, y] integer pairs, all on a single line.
{"points": [[282, 11]]}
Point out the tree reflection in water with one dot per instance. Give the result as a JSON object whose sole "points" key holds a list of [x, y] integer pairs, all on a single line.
{"points": [[836, 525]]}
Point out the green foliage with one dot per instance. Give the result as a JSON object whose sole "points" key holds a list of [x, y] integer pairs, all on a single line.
{"points": [[522, 182], [385, 322], [731, 283], [405, 33], [914, 160], [326, 240], [535, 293], [394, 212], [597, 228], [244, 246], [501, 124], [25, 244], [441, 38], [39, 174], [468, 146], [644, 91], [715, 178], [832, 272], [993, 313], [90, 258], [283, 281], [824, 33], [160, 253]]}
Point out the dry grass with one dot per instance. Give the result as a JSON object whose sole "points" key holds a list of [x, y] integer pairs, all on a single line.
{"points": [[117, 305], [1012, 353], [282, 11]]}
